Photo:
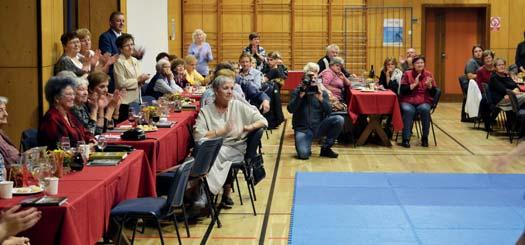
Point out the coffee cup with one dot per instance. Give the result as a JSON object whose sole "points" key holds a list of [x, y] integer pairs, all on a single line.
{"points": [[52, 185], [6, 189]]}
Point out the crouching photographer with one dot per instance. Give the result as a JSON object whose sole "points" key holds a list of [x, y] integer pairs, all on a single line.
{"points": [[311, 119]]}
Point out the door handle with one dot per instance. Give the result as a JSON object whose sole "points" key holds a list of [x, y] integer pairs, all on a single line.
{"points": [[443, 55]]}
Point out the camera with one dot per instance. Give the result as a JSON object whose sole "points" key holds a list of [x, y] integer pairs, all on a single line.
{"points": [[309, 84]]}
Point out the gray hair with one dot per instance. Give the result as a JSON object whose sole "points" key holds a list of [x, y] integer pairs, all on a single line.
{"points": [[337, 61], [332, 46], [3, 100], [219, 81], [161, 63], [311, 67], [78, 80]]}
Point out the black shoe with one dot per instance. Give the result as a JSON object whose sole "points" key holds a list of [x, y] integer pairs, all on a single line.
{"points": [[405, 143], [424, 142], [226, 201], [327, 152]]}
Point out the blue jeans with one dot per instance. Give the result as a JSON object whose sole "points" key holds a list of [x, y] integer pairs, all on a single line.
{"points": [[409, 111], [330, 127]]}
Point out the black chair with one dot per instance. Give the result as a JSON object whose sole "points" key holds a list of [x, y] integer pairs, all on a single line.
{"points": [[493, 110], [253, 149], [29, 139], [463, 84], [155, 208], [205, 155], [433, 106], [516, 124]]}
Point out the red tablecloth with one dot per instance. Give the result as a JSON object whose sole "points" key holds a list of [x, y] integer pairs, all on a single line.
{"points": [[375, 103], [166, 147], [91, 194], [294, 78]]}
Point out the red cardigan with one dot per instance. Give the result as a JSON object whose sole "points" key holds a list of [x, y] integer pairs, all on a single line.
{"points": [[482, 76], [420, 94], [54, 126]]}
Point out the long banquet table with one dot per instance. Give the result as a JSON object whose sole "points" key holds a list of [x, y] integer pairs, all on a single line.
{"points": [[91, 194], [166, 147]]}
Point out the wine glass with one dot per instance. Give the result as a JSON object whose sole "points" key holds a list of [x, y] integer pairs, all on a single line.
{"points": [[65, 143], [101, 142], [43, 172]]}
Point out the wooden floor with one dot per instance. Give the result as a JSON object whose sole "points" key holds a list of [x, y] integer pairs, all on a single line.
{"points": [[461, 149]]}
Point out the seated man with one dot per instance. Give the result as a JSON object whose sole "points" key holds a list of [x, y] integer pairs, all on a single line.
{"points": [[311, 119]]}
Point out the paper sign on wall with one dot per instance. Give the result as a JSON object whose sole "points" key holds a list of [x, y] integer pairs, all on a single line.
{"points": [[495, 23], [393, 32]]}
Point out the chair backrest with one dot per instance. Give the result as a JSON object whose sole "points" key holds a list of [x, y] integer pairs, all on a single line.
{"points": [[205, 155], [513, 101], [463, 84], [253, 143], [435, 100], [179, 182], [486, 93], [29, 139]]}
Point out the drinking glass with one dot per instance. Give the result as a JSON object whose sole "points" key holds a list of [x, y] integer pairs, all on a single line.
{"points": [[101, 142], [65, 143]]}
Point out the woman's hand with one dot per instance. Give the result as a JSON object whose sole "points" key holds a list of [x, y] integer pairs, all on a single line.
{"points": [[428, 82], [265, 106], [102, 101], [13, 222], [142, 79], [92, 101], [248, 128], [14, 240]]}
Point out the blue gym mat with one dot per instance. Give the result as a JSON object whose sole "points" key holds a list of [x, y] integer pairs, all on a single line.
{"points": [[407, 208]]}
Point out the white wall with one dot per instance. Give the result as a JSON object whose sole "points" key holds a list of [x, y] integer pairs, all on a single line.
{"points": [[147, 21]]}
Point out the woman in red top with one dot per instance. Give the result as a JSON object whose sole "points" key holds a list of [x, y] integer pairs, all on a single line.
{"points": [[59, 121], [417, 92], [484, 72]]}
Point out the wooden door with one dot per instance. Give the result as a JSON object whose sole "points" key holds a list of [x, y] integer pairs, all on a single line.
{"points": [[450, 34]]}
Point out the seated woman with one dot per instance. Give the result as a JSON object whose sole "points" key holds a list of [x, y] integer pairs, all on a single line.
{"points": [[9, 154], [473, 65], [222, 69], [128, 75], [192, 76], [232, 120], [103, 107], [70, 60], [417, 92], [485, 72], [164, 82], [334, 79], [274, 75], [250, 80], [500, 82], [274, 69], [179, 72], [59, 121], [390, 75]]}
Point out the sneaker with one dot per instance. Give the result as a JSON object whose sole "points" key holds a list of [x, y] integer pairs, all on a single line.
{"points": [[424, 142], [327, 152]]}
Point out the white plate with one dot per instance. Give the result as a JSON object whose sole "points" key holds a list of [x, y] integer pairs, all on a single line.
{"points": [[27, 190]]}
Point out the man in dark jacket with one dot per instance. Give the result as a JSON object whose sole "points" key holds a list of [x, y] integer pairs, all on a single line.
{"points": [[311, 119]]}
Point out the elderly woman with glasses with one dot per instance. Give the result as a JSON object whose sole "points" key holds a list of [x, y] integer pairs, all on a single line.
{"points": [[71, 59], [59, 120], [9, 154], [233, 120], [334, 79]]}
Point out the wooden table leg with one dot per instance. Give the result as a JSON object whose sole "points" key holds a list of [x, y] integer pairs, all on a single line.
{"points": [[374, 124]]}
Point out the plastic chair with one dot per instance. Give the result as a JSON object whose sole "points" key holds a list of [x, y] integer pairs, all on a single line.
{"points": [[253, 149], [155, 208], [205, 155], [29, 139]]}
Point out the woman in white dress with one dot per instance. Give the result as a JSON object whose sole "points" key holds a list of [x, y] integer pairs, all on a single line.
{"points": [[232, 120]]}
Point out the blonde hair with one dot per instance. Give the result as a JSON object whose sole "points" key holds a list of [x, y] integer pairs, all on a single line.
{"points": [[332, 46], [83, 33], [197, 32], [190, 58]]}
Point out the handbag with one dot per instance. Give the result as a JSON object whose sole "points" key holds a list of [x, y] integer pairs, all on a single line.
{"points": [[257, 171]]}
